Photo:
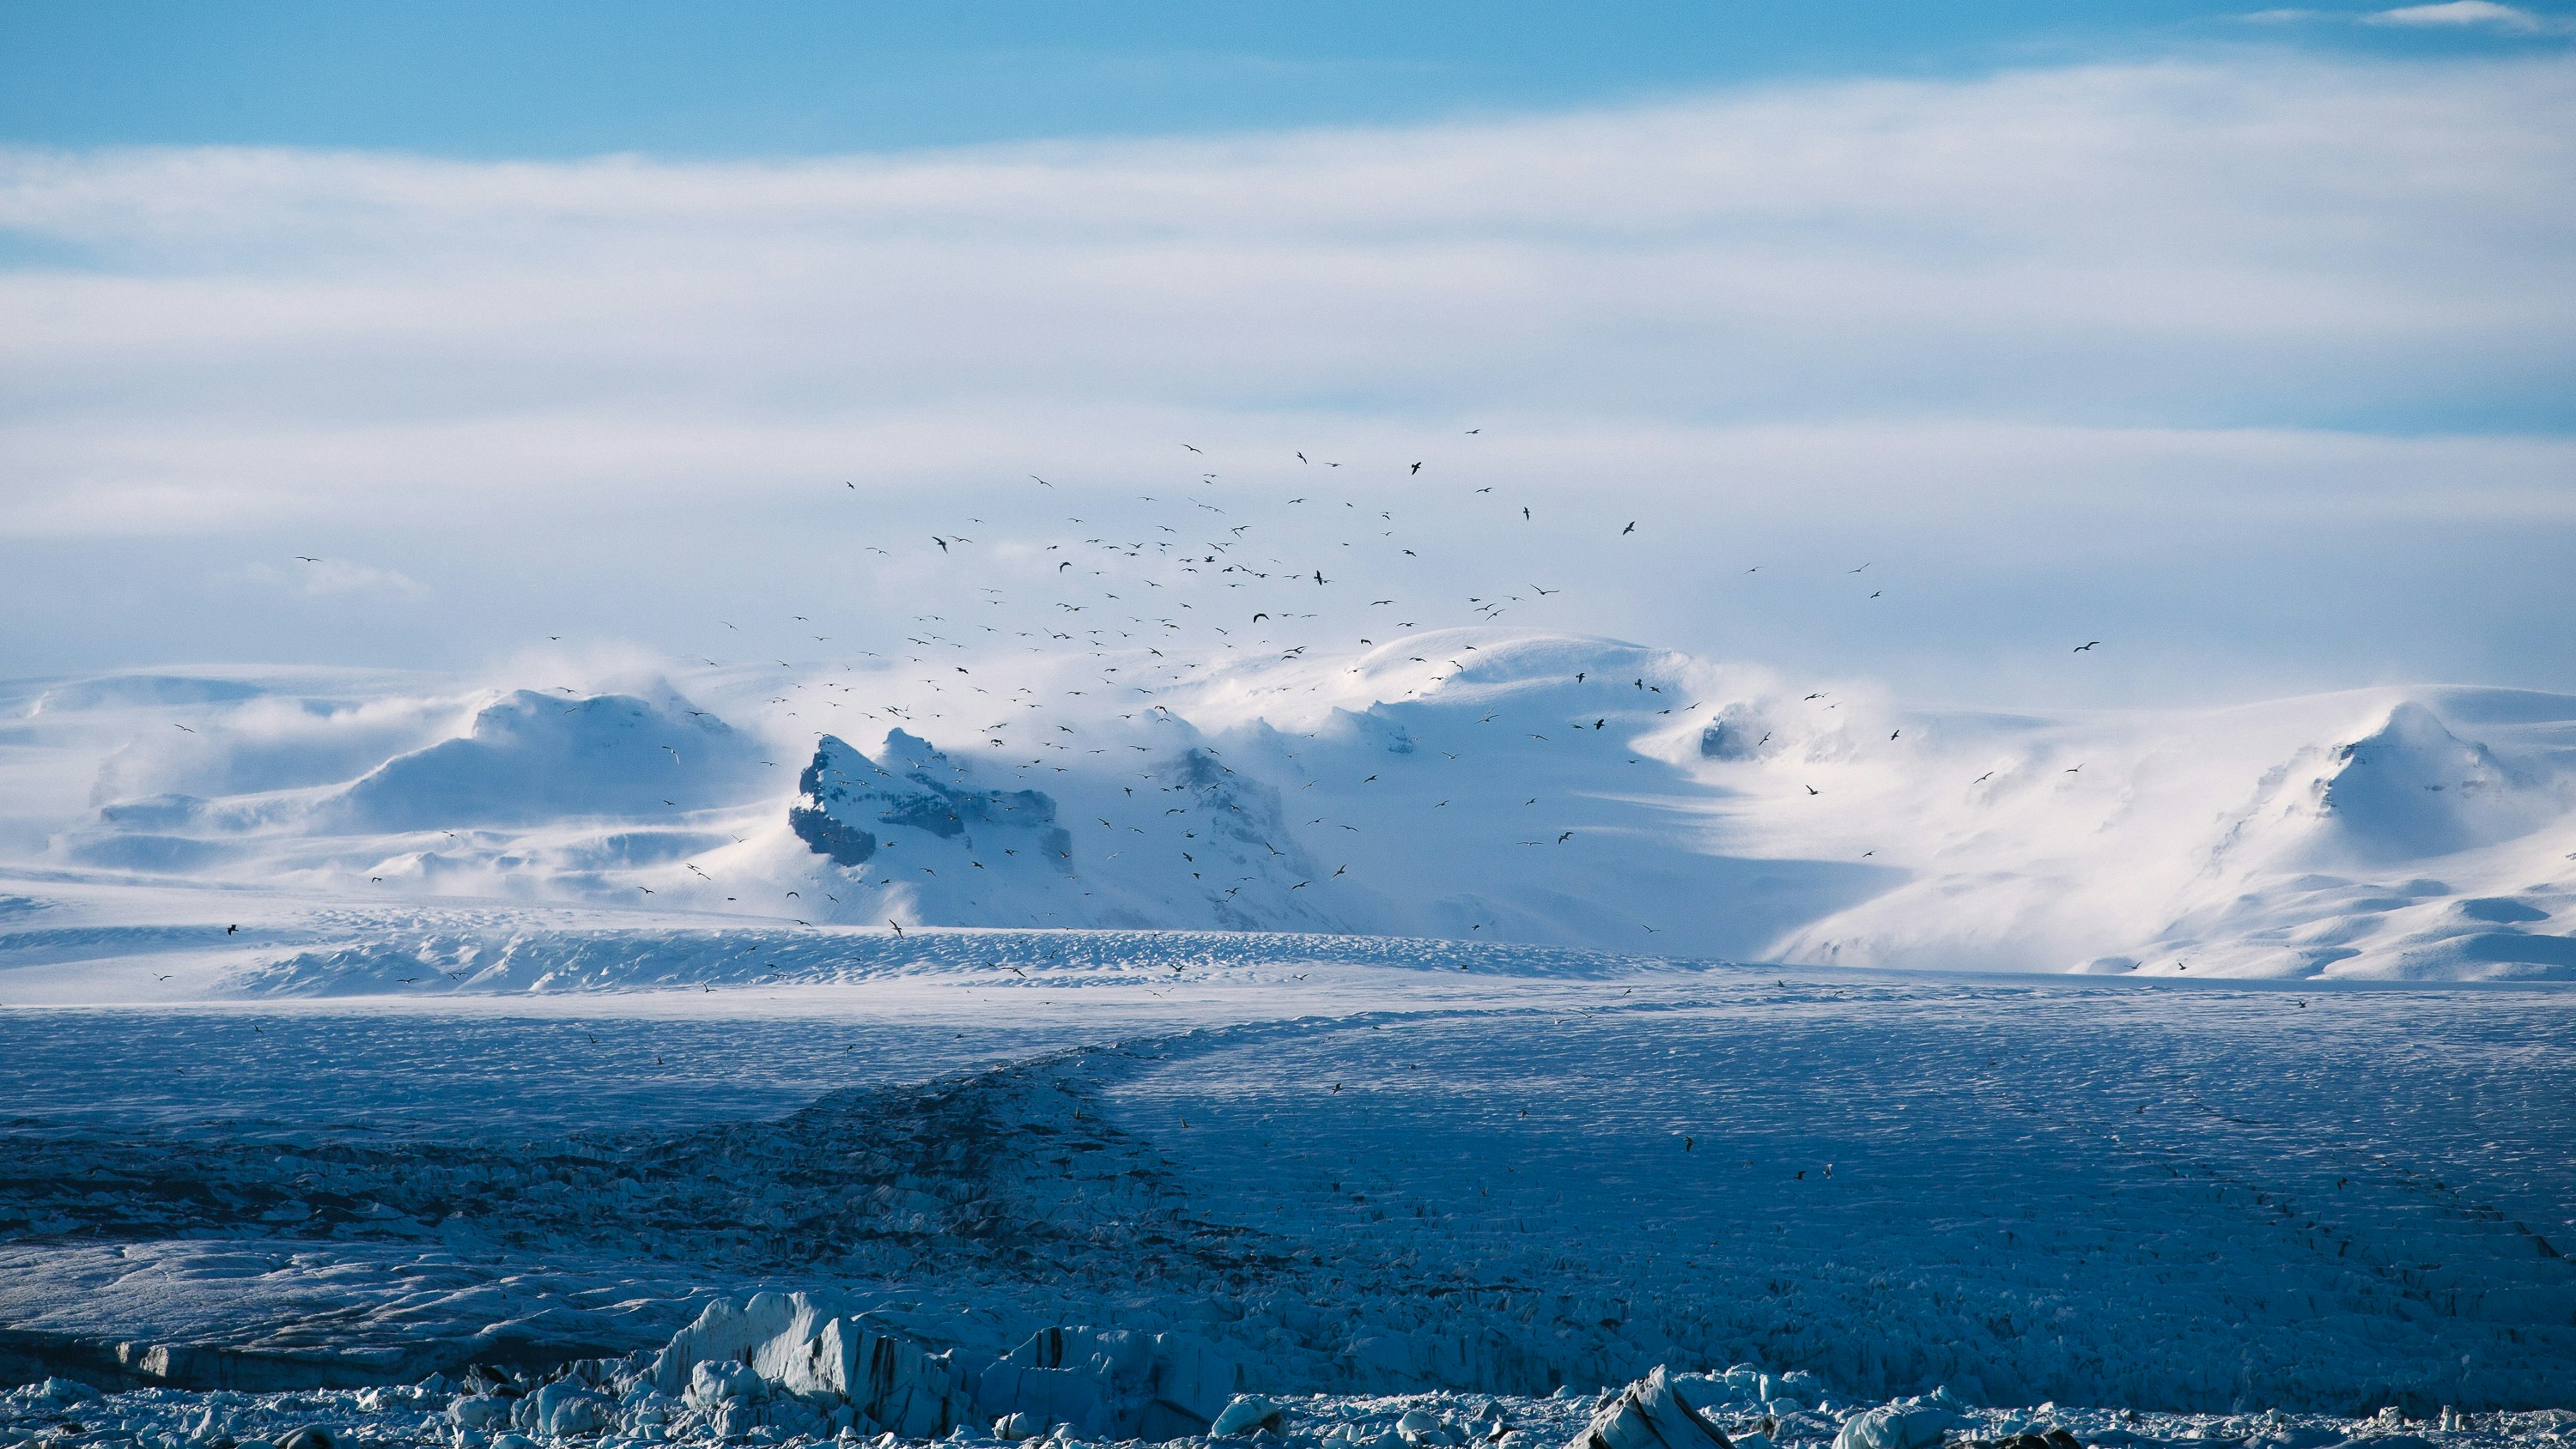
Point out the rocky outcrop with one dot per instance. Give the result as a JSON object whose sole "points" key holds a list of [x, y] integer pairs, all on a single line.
{"points": [[845, 797]]}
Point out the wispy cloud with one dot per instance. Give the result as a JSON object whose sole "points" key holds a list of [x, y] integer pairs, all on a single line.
{"points": [[2473, 14], [2450, 15], [329, 577]]}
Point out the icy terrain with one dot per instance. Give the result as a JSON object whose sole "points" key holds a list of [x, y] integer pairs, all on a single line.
{"points": [[1472, 785], [1370, 1180]]}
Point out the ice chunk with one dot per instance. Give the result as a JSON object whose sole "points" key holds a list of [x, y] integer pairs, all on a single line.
{"points": [[1115, 1383], [1649, 1415], [67, 1391], [1915, 1425], [721, 1381], [477, 1411], [1022, 1425], [1247, 1413], [806, 1346]]}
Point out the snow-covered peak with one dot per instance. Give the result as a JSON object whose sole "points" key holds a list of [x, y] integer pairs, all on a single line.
{"points": [[1484, 784]]}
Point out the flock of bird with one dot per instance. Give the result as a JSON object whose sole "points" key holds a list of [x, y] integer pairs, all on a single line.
{"points": [[1117, 605], [1114, 606]]}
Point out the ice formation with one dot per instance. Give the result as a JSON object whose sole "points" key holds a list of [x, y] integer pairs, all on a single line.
{"points": [[619, 1402]]}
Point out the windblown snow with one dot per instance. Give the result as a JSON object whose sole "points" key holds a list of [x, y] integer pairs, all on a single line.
{"points": [[1478, 784]]}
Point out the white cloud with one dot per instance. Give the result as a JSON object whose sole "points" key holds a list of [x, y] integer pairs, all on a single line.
{"points": [[2483, 14], [2184, 245], [2053, 304], [330, 577]]}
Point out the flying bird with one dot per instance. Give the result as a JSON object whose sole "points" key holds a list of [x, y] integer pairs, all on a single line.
{"points": [[1631, 528], [2080, 648], [1417, 467]]}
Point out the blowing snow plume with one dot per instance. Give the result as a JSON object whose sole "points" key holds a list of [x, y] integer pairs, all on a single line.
{"points": [[1485, 784]]}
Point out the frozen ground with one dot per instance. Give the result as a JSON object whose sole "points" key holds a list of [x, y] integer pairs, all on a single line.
{"points": [[1364, 1176]]}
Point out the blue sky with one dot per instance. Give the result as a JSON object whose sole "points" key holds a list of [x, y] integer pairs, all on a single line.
{"points": [[476, 78], [2242, 342]]}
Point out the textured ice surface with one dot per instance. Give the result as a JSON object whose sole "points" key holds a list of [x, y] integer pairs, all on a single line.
{"points": [[1368, 1181], [622, 1401]]}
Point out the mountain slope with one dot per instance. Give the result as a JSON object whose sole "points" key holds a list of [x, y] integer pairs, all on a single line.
{"points": [[1479, 784]]}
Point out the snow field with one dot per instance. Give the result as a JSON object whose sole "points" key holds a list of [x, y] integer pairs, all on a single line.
{"points": [[1470, 784], [2200, 1199]]}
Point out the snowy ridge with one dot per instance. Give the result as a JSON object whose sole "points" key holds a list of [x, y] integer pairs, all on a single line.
{"points": [[635, 959], [1464, 784]]}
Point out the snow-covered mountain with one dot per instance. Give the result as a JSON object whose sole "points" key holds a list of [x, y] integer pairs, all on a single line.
{"points": [[1474, 783]]}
